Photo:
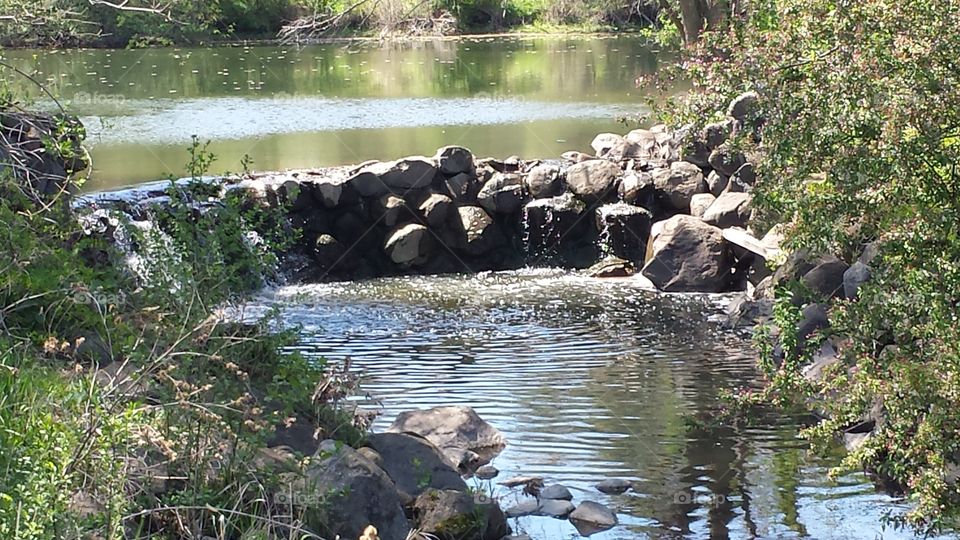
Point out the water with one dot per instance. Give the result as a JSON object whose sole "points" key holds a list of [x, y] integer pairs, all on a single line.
{"points": [[336, 104], [589, 379]]}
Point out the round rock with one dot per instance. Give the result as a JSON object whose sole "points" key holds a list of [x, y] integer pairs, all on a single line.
{"points": [[556, 492], [614, 486]]}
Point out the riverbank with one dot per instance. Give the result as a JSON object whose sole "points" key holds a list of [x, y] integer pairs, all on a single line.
{"points": [[182, 23]]}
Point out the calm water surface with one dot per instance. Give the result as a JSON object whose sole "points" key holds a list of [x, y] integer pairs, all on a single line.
{"points": [[589, 379], [340, 103]]}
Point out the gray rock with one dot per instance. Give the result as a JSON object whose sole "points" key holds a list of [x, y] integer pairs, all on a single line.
{"points": [[614, 486], [814, 317], [743, 106], [652, 145], [611, 267], [624, 230], [502, 194], [543, 181], [576, 157], [416, 172], [556, 491], [372, 455], [409, 245], [717, 183], [454, 430], [462, 187], [725, 160], [824, 358], [454, 160], [336, 192], [853, 278], [603, 142], [455, 515], [391, 210], [368, 184], [481, 234], [699, 204], [415, 464], [436, 209], [679, 184], [717, 133], [526, 507], [516, 537], [344, 492], [555, 508], [593, 180], [487, 472], [688, 256], [729, 210], [637, 188], [826, 278], [592, 517], [551, 223]]}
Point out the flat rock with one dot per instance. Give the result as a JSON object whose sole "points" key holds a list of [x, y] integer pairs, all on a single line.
{"points": [[556, 491], [487, 472], [526, 507], [614, 486], [592, 517], [556, 508], [455, 430]]}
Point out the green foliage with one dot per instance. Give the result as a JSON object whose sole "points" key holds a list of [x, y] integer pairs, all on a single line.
{"points": [[81, 456], [858, 144]]}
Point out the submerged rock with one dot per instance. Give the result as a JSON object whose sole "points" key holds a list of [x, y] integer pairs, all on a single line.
{"points": [[612, 267], [487, 472]]}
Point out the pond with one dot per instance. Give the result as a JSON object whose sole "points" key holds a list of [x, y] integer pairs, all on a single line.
{"points": [[588, 380], [337, 104]]}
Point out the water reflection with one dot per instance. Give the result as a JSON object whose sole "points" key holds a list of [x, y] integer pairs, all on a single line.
{"points": [[340, 103], [590, 380]]}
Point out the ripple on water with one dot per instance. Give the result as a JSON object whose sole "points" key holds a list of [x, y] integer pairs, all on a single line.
{"points": [[589, 379]]}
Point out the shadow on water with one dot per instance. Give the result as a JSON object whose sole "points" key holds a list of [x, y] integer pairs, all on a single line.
{"points": [[589, 380]]}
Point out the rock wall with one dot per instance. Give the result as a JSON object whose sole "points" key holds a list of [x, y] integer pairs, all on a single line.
{"points": [[674, 205]]}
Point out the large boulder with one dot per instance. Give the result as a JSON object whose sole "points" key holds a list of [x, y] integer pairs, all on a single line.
{"points": [[624, 230], [593, 180], [543, 181], [343, 493], [679, 184], [464, 438], [688, 255], [456, 515], [454, 160], [414, 463], [480, 234], [502, 194], [729, 210], [409, 245], [415, 172]]}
